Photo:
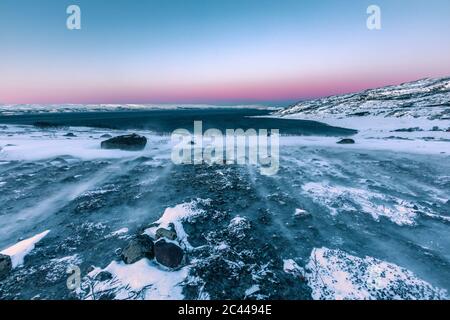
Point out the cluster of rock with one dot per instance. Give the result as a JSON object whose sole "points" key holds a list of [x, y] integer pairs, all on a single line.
{"points": [[5, 266], [130, 142], [163, 249]]}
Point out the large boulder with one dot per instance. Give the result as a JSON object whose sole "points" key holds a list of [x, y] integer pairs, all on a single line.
{"points": [[346, 141], [168, 254], [130, 142], [138, 248], [5, 266]]}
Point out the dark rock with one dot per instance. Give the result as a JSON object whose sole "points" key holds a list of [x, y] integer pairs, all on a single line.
{"points": [[164, 233], [69, 134], [168, 254], [5, 266], [138, 248], [131, 142], [90, 269], [415, 129], [103, 276], [360, 114], [107, 296], [346, 141], [106, 136], [45, 125], [301, 213]]}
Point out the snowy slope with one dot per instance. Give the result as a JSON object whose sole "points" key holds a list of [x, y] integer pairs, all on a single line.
{"points": [[411, 117], [427, 98]]}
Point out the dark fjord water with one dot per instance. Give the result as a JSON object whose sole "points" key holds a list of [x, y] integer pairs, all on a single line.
{"points": [[166, 121]]}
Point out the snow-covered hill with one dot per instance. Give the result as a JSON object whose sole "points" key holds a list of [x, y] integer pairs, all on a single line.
{"points": [[427, 98], [19, 109]]}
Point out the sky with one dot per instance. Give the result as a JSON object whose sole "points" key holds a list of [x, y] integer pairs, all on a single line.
{"points": [[215, 51]]}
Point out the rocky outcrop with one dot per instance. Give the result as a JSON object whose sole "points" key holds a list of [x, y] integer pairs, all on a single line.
{"points": [[138, 248], [5, 266], [131, 142], [165, 233], [103, 276], [70, 135], [168, 254], [346, 141]]}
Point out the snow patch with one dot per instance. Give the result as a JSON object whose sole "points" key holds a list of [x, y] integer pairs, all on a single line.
{"points": [[336, 275], [340, 198], [141, 280], [253, 289], [121, 234], [18, 251], [176, 216], [301, 213], [291, 267]]}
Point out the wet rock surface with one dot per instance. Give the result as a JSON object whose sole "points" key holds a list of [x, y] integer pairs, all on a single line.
{"points": [[165, 233], [5, 266], [131, 142], [70, 135], [346, 141], [140, 247], [168, 254], [237, 238], [103, 276]]}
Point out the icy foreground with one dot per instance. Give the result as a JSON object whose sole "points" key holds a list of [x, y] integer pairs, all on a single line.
{"points": [[363, 221]]}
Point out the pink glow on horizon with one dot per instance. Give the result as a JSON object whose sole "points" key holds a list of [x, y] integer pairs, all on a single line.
{"points": [[293, 89]]}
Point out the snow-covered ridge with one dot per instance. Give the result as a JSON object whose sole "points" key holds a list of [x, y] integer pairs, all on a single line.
{"points": [[337, 275], [18, 251], [18, 109], [426, 98]]}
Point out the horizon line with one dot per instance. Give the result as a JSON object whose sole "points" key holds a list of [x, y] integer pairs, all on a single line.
{"points": [[233, 103]]}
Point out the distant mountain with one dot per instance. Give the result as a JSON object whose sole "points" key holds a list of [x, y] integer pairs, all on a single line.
{"points": [[20, 109], [427, 98]]}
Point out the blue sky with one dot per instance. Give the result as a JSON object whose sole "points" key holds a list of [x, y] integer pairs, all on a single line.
{"points": [[216, 51]]}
